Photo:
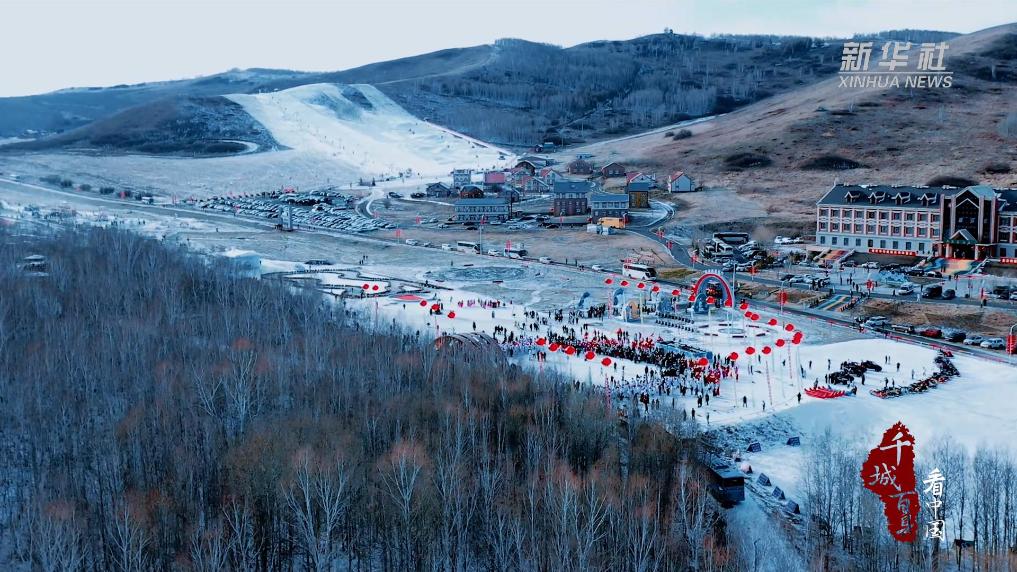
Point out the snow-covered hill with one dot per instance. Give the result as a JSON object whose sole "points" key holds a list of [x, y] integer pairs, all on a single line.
{"points": [[360, 127]]}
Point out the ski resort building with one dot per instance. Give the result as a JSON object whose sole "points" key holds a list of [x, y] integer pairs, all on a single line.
{"points": [[570, 197], [482, 210], [609, 205], [461, 178], [972, 223]]}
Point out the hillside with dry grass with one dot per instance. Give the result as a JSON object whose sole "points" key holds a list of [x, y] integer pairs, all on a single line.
{"points": [[785, 151]]}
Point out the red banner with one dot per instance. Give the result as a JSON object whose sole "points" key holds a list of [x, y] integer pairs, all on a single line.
{"points": [[889, 471]]}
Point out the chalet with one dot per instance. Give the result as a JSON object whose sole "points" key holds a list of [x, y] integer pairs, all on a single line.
{"points": [[471, 192], [549, 175], [614, 169], [533, 163], [580, 167], [516, 174], [614, 205], [680, 182], [482, 210], [438, 190], [639, 182], [570, 197], [461, 177], [535, 185]]}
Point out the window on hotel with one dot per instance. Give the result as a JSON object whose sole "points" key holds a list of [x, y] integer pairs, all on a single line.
{"points": [[907, 245], [858, 242], [824, 212], [921, 247], [822, 240], [833, 240], [882, 244], [934, 218], [922, 217], [895, 245], [909, 216], [895, 216]]}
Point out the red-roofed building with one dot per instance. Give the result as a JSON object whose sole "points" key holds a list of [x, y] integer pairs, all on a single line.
{"points": [[680, 182]]}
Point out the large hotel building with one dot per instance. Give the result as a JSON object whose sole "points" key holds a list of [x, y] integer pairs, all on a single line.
{"points": [[972, 222]]}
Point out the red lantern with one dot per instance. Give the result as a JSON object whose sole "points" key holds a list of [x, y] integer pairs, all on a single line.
{"points": [[755, 317], [710, 300], [570, 350], [779, 343], [704, 362], [423, 303], [541, 341], [789, 327], [366, 286], [675, 292], [608, 281], [640, 285], [748, 315], [796, 341], [744, 306], [767, 350], [655, 288], [452, 315], [692, 297], [624, 283], [435, 307], [553, 347], [772, 322], [590, 356], [750, 350], [605, 362], [733, 356], [375, 287]]}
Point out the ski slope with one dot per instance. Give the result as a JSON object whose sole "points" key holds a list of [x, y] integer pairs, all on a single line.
{"points": [[360, 127]]}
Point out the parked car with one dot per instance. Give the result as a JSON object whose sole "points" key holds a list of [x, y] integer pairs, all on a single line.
{"points": [[493, 252], [417, 195], [412, 241], [905, 289], [471, 227], [974, 340], [954, 335], [993, 344], [395, 196], [1013, 295], [932, 291], [597, 268], [544, 260], [877, 321], [931, 332], [949, 294], [903, 328], [870, 265], [446, 246]]}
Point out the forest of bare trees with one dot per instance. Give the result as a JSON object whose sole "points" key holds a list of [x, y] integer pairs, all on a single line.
{"points": [[161, 412], [846, 529], [529, 92]]}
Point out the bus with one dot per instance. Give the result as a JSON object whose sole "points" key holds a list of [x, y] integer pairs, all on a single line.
{"points": [[727, 486], [465, 246], [639, 271]]}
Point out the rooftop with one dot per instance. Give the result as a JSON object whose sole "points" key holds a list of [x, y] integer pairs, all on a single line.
{"points": [[485, 202], [910, 196]]}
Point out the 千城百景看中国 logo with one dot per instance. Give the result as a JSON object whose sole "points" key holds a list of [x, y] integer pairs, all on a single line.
{"points": [[895, 65]]}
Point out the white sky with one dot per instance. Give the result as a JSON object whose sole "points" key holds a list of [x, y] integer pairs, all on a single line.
{"points": [[51, 44]]}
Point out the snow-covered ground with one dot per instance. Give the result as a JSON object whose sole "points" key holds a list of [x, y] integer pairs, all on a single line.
{"points": [[361, 127]]}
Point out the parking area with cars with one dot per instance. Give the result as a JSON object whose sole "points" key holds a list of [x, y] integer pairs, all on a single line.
{"points": [[325, 209]]}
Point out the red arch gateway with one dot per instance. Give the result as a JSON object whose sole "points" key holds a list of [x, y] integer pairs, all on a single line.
{"points": [[713, 276]]}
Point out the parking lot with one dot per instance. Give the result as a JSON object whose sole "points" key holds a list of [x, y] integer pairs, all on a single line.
{"points": [[325, 209]]}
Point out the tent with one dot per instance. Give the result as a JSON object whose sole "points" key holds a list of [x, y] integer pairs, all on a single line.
{"points": [[763, 479]]}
